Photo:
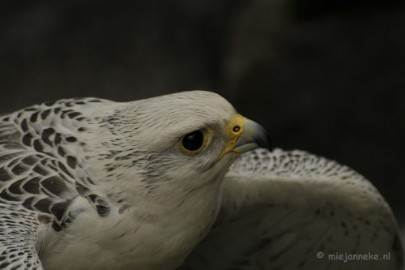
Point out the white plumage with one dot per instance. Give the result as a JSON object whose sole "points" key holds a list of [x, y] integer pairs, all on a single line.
{"points": [[96, 184], [293, 210]]}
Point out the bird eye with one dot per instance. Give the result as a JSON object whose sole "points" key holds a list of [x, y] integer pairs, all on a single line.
{"points": [[192, 142]]}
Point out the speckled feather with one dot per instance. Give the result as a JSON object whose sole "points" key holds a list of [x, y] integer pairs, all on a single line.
{"points": [[282, 209], [38, 178]]}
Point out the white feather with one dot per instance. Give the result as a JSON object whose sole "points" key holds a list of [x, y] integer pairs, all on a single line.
{"points": [[293, 210]]}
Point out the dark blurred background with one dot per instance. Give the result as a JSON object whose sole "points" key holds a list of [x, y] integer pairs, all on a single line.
{"points": [[326, 76]]}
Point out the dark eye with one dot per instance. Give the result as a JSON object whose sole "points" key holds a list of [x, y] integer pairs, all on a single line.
{"points": [[193, 141]]}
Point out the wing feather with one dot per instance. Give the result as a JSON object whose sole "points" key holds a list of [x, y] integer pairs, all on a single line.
{"points": [[38, 180], [293, 210], [20, 230]]}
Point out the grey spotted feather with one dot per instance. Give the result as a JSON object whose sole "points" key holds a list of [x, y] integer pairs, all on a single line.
{"points": [[294, 210], [38, 179]]}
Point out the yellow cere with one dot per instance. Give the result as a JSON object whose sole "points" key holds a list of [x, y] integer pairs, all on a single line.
{"points": [[234, 130]]}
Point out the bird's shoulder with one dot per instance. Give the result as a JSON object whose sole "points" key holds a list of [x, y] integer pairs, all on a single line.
{"points": [[40, 170]]}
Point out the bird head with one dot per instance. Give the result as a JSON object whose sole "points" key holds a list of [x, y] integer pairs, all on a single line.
{"points": [[175, 142]]}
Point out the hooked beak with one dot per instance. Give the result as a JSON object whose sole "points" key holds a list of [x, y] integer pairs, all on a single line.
{"points": [[246, 135], [252, 137]]}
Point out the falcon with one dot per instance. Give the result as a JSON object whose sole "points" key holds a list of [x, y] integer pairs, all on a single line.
{"points": [[180, 181]]}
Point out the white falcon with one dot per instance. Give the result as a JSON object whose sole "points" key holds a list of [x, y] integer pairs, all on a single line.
{"points": [[147, 185]]}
